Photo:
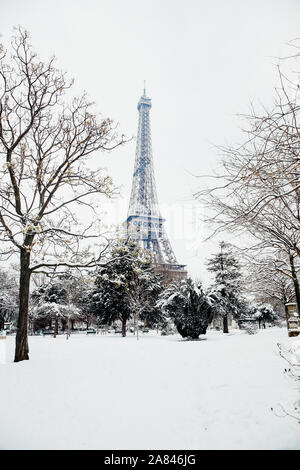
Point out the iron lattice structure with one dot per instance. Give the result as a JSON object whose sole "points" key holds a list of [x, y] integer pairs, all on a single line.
{"points": [[144, 221]]}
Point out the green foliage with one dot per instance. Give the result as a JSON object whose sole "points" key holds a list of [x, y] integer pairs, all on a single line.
{"points": [[226, 289], [126, 285], [188, 306], [56, 299], [264, 313]]}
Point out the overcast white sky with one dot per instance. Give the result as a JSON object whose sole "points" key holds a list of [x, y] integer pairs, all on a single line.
{"points": [[204, 61]]}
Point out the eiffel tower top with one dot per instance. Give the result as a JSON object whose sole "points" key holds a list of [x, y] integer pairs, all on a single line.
{"points": [[144, 100], [144, 221], [143, 199]]}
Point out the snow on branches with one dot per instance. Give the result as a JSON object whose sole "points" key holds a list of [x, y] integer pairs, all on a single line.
{"points": [[188, 306]]}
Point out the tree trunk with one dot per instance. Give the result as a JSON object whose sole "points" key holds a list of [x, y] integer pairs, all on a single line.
{"points": [[286, 314], [225, 324], [55, 327], [134, 324], [22, 350], [123, 328], [69, 330], [295, 281], [137, 325]]}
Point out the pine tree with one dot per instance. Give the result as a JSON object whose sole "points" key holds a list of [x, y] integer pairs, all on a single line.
{"points": [[227, 284], [126, 287], [53, 301]]}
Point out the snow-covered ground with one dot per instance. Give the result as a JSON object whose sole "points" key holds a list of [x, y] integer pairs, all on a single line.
{"points": [[108, 392]]}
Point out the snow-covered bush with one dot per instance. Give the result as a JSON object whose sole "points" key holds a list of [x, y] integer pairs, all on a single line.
{"points": [[264, 313], [55, 301], [188, 306], [291, 353]]}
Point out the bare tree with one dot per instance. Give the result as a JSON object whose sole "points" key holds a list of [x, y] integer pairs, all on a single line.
{"points": [[138, 294], [259, 187], [45, 146], [270, 280]]}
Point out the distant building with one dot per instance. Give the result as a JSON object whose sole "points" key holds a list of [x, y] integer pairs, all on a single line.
{"points": [[144, 221]]}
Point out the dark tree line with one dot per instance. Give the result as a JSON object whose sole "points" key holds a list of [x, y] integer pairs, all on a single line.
{"points": [[128, 289]]}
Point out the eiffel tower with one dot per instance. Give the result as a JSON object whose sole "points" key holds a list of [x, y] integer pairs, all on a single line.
{"points": [[144, 221]]}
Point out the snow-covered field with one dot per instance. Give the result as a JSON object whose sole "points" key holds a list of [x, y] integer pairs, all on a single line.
{"points": [[108, 392]]}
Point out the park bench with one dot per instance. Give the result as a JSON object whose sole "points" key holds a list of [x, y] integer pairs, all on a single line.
{"points": [[48, 332], [91, 331]]}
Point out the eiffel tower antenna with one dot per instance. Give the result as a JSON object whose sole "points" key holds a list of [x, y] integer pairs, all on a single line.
{"points": [[144, 221]]}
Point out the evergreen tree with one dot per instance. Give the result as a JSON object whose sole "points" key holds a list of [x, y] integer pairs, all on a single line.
{"points": [[188, 306], [126, 287], [227, 285], [264, 313], [83, 299], [55, 301]]}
